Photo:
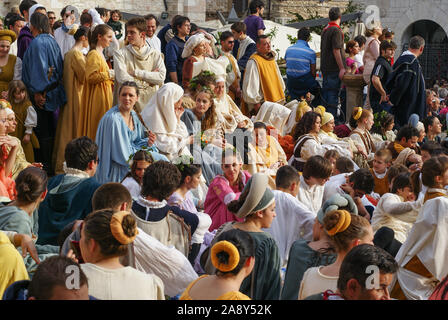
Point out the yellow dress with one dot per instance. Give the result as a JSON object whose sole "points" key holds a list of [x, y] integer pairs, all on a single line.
{"points": [[7, 73], [74, 75], [97, 95], [21, 110], [21, 161], [231, 295], [13, 268]]}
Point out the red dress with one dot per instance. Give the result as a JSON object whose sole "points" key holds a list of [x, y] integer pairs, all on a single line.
{"points": [[7, 184]]}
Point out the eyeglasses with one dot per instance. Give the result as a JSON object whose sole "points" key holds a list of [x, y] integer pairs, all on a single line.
{"points": [[51, 18]]}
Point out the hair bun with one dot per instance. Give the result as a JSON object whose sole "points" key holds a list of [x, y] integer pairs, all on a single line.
{"points": [[225, 256], [123, 227], [337, 221]]}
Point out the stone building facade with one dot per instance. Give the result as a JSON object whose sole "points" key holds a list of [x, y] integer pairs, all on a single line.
{"points": [[195, 9]]}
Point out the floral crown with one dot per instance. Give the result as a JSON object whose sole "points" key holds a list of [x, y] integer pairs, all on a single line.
{"points": [[379, 119], [183, 162], [194, 82], [130, 160]]}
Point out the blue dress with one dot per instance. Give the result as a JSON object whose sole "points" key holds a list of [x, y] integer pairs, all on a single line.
{"points": [[116, 142]]}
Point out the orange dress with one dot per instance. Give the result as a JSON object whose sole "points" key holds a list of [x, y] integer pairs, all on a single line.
{"points": [[7, 184], [97, 95], [231, 295]]}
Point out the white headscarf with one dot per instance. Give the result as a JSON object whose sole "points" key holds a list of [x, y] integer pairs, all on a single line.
{"points": [[159, 114], [273, 114], [33, 8], [192, 43]]}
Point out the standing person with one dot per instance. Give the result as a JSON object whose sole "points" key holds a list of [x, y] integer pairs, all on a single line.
{"points": [[346, 231], [379, 99], [262, 78], [332, 62], [97, 92], [256, 206], [406, 85], [42, 74], [166, 34], [140, 63], [254, 22], [64, 34], [115, 24], [122, 125], [233, 77], [74, 76], [10, 65], [244, 48], [371, 53], [105, 237], [151, 38], [52, 19], [25, 37], [301, 67], [26, 116], [233, 256], [174, 48], [15, 23]]}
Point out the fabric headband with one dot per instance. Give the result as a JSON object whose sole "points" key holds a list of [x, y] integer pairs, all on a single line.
{"points": [[259, 197], [343, 223], [232, 252], [117, 229], [327, 117], [335, 202], [358, 114]]}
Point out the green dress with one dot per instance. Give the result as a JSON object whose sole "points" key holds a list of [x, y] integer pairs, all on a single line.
{"points": [[302, 257], [264, 283], [15, 219]]}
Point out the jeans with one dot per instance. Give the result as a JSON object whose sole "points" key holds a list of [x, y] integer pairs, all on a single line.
{"points": [[300, 86], [330, 92]]}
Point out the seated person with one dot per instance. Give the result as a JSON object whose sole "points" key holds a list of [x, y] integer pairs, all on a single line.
{"points": [[381, 163], [398, 209], [265, 153], [332, 156], [146, 253], [105, 237], [50, 283], [233, 256], [360, 186], [402, 148], [138, 163], [69, 195], [433, 129], [316, 172], [353, 278], [170, 225], [345, 231], [225, 188], [344, 146], [306, 254], [423, 257], [343, 169], [20, 215], [293, 220]]}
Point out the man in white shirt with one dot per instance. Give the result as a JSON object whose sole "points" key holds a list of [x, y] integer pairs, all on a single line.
{"points": [[263, 80], [64, 34], [151, 38], [293, 220], [316, 171], [139, 63]]}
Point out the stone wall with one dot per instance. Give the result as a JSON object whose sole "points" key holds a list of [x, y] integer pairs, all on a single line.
{"points": [[281, 8], [195, 9]]}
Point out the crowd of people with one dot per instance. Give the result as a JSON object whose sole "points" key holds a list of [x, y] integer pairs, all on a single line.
{"points": [[174, 165]]}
